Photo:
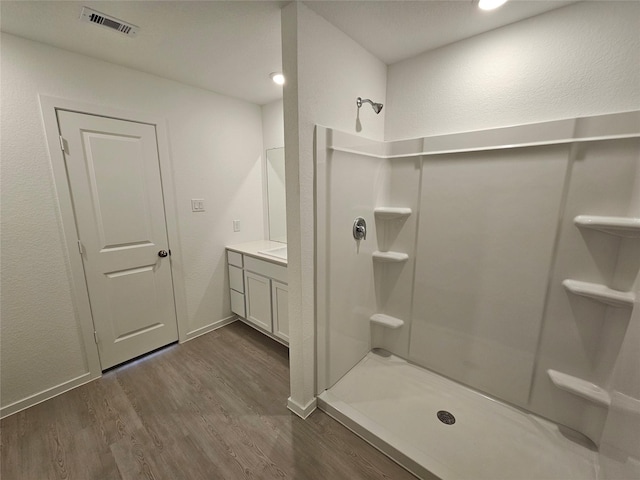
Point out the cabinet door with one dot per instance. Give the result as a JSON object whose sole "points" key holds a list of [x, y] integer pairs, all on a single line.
{"points": [[258, 299], [280, 304]]}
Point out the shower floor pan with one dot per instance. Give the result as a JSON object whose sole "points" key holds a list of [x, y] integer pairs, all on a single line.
{"points": [[394, 405]]}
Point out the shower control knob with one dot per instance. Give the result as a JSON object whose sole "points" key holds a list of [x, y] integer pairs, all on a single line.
{"points": [[360, 229]]}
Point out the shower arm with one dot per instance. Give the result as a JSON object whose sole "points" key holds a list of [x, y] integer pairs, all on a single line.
{"points": [[361, 100], [376, 106]]}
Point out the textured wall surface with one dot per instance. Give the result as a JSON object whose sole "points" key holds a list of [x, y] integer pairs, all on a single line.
{"points": [[576, 61], [216, 150], [273, 125], [326, 71]]}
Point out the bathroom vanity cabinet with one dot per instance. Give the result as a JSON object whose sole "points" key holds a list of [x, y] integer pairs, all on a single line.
{"points": [[258, 287]]}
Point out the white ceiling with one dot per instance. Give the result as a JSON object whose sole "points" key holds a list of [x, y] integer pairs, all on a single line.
{"points": [[230, 47], [400, 29]]}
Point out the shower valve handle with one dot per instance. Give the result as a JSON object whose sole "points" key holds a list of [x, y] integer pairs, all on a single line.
{"points": [[360, 229]]}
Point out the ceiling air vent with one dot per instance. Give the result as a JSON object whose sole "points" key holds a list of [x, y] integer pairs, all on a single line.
{"points": [[91, 16]]}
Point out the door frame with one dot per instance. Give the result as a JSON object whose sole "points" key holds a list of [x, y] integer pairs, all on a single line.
{"points": [[79, 289]]}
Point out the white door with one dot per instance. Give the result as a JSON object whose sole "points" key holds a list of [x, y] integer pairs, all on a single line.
{"points": [[114, 176]]}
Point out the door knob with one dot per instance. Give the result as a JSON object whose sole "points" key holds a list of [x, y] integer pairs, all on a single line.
{"points": [[163, 253]]}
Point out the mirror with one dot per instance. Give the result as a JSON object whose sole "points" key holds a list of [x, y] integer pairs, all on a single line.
{"points": [[276, 195]]}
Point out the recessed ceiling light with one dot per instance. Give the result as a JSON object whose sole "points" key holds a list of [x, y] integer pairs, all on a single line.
{"points": [[277, 78], [490, 4]]}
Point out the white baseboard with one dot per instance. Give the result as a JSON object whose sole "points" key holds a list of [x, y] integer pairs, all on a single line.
{"points": [[302, 412], [40, 397], [209, 328]]}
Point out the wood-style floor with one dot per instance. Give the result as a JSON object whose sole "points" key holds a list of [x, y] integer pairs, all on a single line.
{"points": [[212, 408]]}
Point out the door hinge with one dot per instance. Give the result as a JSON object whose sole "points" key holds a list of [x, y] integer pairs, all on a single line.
{"points": [[95, 336], [80, 247], [63, 144]]}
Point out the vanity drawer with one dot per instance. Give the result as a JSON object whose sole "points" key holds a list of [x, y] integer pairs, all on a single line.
{"points": [[267, 269], [237, 303], [236, 279], [234, 258]]}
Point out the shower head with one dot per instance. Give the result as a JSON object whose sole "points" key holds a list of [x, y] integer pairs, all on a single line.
{"points": [[376, 106]]}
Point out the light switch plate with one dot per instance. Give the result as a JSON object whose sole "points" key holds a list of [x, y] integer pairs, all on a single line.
{"points": [[197, 204], [236, 225]]}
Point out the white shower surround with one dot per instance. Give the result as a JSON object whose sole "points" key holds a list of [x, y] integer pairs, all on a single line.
{"points": [[574, 143]]}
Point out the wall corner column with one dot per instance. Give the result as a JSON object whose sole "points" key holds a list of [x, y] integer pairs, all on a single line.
{"points": [[300, 229]]}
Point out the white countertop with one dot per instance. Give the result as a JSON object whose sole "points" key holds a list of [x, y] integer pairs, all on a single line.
{"points": [[252, 249]]}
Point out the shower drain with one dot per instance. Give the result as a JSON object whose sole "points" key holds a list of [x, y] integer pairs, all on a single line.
{"points": [[446, 417]]}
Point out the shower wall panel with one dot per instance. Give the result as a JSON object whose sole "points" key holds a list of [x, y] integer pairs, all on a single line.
{"points": [[580, 336], [619, 451], [490, 239], [356, 185], [485, 244], [393, 281]]}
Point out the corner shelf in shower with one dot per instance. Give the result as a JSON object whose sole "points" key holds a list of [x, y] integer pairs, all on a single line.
{"points": [[388, 213], [620, 226], [601, 293], [386, 320], [390, 257], [580, 387]]}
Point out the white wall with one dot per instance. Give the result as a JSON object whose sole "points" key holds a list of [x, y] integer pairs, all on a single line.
{"points": [[326, 71], [216, 152], [576, 61], [273, 125]]}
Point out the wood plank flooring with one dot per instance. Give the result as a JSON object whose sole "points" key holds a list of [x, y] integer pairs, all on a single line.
{"points": [[212, 408]]}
